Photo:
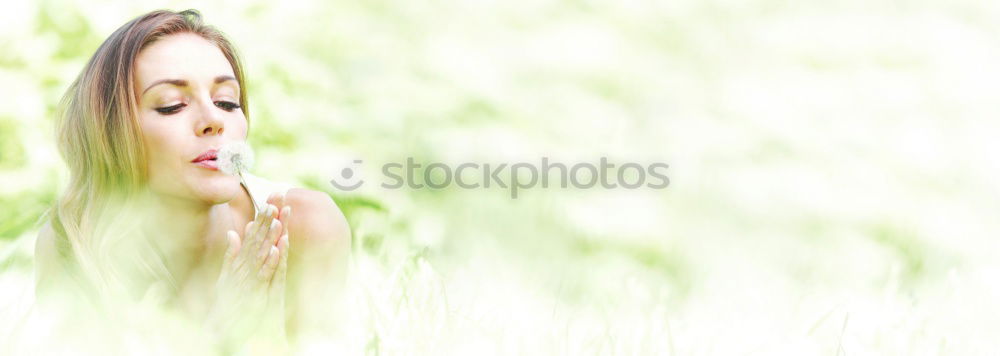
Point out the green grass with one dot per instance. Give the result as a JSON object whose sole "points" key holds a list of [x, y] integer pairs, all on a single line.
{"points": [[831, 165]]}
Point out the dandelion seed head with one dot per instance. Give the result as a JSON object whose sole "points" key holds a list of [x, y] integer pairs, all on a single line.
{"points": [[235, 158]]}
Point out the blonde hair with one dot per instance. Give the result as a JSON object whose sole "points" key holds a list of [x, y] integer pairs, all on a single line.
{"points": [[100, 139]]}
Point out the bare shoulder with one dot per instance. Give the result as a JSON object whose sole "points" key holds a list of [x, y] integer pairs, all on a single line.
{"points": [[316, 220], [48, 270], [45, 246]]}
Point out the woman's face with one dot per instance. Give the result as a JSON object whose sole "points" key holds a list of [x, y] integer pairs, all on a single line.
{"points": [[188, 104]]}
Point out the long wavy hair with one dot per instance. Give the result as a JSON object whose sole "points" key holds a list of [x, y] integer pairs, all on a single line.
{"points": [[100, 139]]}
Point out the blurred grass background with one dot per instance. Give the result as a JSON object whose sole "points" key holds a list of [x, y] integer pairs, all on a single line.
{"points": [[833, 169]]}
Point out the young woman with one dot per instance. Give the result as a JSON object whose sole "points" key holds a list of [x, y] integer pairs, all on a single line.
{"points": [[147, 211]]}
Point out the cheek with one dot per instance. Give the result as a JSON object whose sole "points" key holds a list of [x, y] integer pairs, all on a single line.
{"points": [[162, 145], [237, 128]]}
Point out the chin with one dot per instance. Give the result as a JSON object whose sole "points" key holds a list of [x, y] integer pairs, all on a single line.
{"points": [[212, 189], [217, 190]]}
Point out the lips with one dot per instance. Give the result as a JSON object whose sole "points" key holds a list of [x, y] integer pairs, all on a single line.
{"points": [[207, 159]]}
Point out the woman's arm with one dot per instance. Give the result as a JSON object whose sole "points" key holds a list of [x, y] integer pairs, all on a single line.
{"points": [[320, 247]]}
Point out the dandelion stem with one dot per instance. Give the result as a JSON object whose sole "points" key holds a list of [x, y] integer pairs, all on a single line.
{"points": [[253, 201]]}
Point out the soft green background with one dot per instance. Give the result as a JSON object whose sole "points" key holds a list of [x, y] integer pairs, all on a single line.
{"points": [[832, 164]]}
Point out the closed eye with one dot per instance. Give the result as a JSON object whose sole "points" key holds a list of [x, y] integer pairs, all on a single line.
{"points": [[168, 110], [227, 105]]}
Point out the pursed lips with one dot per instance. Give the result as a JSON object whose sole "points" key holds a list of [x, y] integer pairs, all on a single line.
{"points": [[207, 160]]}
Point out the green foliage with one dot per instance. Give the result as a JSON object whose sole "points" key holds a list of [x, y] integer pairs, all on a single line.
{"points": [[826, 158]]}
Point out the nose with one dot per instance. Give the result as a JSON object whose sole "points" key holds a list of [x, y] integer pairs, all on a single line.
{"points": [[211, 122]]}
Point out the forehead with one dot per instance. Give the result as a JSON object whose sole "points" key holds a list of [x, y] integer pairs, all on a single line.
{"points": [[184, 56]]}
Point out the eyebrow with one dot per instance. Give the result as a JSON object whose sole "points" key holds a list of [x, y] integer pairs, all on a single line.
{"points": [[182, 83]]}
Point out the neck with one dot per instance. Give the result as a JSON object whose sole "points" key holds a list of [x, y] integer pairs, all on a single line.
{"points": [[178, 227], [190, 232]]}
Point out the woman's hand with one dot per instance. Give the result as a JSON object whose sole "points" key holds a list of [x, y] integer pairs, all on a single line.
{"points": [[250, 291]]}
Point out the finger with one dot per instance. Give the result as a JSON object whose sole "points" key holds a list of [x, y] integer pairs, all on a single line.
{"points": [[286, 212], [261, 226], [267, 271], [248, 228], [270, 212], [247, 245], [272, 238], [232, 247], [262, 212], [278, 281], [277, 199]]}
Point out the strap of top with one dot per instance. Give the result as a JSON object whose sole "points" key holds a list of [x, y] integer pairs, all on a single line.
{"points": [[260, 189]]}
